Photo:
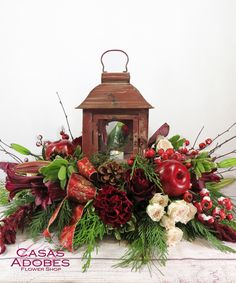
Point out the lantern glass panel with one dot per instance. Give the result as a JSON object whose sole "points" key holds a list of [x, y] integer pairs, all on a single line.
{"points": [[115, 137]]}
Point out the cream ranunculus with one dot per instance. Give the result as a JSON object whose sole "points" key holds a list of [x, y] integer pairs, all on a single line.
{"points": [[155, 211], [179, 211], [160, 199], [174, 236], [163, 143], [167, 222]]}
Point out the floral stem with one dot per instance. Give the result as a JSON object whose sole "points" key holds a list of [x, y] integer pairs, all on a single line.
{"points": [[62, 106]]}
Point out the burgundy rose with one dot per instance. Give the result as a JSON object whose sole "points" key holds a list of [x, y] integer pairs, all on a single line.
{"points": [[206, 177], [113, 206], [139, 188]]}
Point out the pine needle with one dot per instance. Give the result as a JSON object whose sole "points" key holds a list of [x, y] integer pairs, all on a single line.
{"points": [[3, 194], [89, 229]]}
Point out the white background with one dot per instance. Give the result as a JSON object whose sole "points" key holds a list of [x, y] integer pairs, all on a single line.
{"points": [[182, 59]]}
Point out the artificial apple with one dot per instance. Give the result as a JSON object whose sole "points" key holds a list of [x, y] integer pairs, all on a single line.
{"points": [[174, 177]]}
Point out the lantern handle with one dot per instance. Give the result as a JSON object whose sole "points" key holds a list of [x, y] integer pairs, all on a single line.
{"points": [[116, 50]]}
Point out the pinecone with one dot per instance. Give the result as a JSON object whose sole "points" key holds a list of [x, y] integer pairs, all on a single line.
{"points": [[110, 173]]}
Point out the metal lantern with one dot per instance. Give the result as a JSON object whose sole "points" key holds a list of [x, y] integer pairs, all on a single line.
{"points": [[115, 116]]}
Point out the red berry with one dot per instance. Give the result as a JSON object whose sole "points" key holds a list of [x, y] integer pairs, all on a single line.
{"points": [[157, 161], [204, 192], [210, 220], [187, 142], [230, 216], [222, 214], [165, 156], [221, 200], [208, 141], [170, 151], [206, 203], [150, 153], [202, 145], [188, 165], [188, 197], [227, 204], [160, 151], [130, 162], [198, 206], [200, 217], [65, 137], [62, 132], [184, 150]]}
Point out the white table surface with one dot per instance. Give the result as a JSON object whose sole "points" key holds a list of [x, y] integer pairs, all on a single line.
{"points": [[187, 262]]}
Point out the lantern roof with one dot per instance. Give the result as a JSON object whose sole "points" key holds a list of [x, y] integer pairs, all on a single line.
{"points": [[115, 92]]}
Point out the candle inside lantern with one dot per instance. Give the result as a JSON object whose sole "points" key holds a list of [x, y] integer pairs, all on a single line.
{"points": [[116, 154]]}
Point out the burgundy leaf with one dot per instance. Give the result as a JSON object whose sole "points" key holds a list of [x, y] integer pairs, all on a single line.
{"points": [[162, 131]]}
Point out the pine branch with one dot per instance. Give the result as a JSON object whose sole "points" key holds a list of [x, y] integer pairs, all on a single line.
{"points": [[40, 220], [64, 216], [22, 198], [89, 229], [3, 194], [203, 232], [148, 242]]}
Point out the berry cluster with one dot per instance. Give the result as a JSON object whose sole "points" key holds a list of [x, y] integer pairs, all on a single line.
{"points": [[208, 214]]}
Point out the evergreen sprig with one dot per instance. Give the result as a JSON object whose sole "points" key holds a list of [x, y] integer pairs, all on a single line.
{"points": [[22, 198], [148, 242], [89, 230], [39, 220], [3, 194], [202, 231], [64, 216]]}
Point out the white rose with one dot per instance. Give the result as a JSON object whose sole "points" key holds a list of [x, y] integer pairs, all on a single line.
{"points": [[160, 199], [155, 211], [167, 222], [174, 236], [163, 143], [181, 211], [178, 210], [191, 213]]}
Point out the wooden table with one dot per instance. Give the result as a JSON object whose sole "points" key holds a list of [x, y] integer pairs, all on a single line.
{"points": [[187, 262]]}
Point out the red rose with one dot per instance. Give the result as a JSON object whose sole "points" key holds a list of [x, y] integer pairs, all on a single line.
{"points": [[139, 188], [113, 206]]}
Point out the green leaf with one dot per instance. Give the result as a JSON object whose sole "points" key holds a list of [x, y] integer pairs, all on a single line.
{"points": [[21, 149], [63, 183], [223, 183], [176, 141], [62, 173], [230, 162]]}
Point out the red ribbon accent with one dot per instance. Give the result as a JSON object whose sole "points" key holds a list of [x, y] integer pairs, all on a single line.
{"points": [[80, 190]]}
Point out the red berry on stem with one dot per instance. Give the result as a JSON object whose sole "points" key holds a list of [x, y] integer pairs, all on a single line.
{"points": [[210, 220], [188, 165], [208, 141], [230, 216], [188, 197], [198, 206], [202, 145], [160, 151], [165, 156], [187, 142], [184, 150], [157, 161], [206, 203], [130, 162], [170, 151], [222, 214], [204, 192]]}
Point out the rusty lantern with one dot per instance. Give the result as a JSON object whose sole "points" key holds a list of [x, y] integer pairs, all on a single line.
{"points": [[115, 116]]}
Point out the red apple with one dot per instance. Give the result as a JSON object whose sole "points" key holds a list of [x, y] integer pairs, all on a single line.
{"points": [[174, 177]]}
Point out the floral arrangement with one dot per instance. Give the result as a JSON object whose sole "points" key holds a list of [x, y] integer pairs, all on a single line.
{"points": [[152, 200]]}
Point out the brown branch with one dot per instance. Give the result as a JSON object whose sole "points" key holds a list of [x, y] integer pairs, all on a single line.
{"points": [[219, 135], [62, 106], [223, 155], [220, 145], [197, 137], [13, 156], [228, 170]]}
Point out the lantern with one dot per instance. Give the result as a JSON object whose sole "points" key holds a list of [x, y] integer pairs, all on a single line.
{"points": [[115, 116]]}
